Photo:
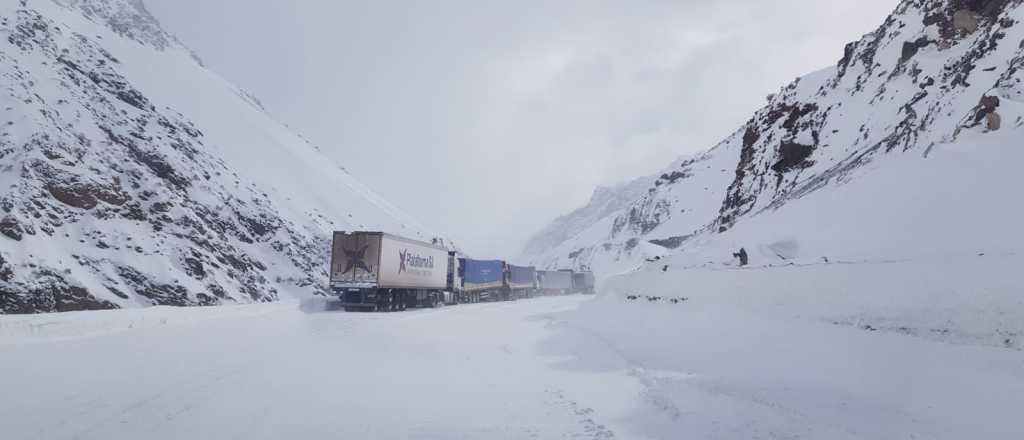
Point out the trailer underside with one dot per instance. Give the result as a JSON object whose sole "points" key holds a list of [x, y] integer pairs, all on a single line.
{"points": [[391, 300]]}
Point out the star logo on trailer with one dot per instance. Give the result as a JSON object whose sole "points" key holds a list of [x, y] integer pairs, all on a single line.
{"points": [[402, 258], [356, 260]]}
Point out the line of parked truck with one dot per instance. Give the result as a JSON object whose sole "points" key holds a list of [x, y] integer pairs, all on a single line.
{"points": [[376, 271]]}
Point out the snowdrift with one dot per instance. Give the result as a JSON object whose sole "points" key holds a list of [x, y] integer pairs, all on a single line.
{"points": [[888, 306]]}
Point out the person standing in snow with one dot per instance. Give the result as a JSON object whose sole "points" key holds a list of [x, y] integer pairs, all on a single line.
{"points": [[742, 255]]}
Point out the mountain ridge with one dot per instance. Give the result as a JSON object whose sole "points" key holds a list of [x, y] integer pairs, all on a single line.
{"points": [[133, 176], [932, 71]]}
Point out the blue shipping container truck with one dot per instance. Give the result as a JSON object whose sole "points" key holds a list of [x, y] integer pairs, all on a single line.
{"points": [[483, 280], [522, 280]]}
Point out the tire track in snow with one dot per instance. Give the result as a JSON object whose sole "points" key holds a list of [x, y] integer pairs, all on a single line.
{"points": [[592, 429]]}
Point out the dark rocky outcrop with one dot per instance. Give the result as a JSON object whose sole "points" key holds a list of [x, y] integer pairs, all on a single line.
{"points": [[48, 292], [791, 156], [671, 242], [10, 228], [910, 48]]}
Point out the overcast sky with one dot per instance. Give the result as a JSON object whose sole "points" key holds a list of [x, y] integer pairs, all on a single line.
{"points": [[488, 119]]}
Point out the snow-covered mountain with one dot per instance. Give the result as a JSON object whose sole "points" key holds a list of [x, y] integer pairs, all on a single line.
{"points": [[935, 77], [604, 202], [130, 175]]}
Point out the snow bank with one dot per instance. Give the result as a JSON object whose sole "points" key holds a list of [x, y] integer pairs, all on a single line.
{"points": [[885, 306], [45, 328], [924, 349], [968, 300], [904, 248]]}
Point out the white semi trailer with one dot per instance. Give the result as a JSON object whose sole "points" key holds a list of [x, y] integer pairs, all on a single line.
{"points": [[555, 282], [377, 271]]}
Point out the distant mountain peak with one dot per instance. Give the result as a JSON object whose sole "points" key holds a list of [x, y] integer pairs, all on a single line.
{"points": [[127, 18]]}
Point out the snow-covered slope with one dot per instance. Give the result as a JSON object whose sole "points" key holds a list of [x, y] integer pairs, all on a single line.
{"points": [[603, 203], [878, 204], [864, 308], [903, 248], [133, 176], [649, 226], [935, 72]]}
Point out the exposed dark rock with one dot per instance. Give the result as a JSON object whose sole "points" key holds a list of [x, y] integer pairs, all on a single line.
{"points": [[258, 227], [133, 211], [73, 299], [111, 82], [986, 107], [161, 207], [74, 195], [673, 177], [158, 294], [205, 300], [735, 198], [671, 242], [910, 48], [217, 291], [10, 228], [49, 292], [6, 271], [153, 160], [795, 113], [194, 267], [791, 156], [117, 292], [844, 63]]}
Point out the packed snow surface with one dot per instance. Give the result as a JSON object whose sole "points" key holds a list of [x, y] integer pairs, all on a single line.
{"points": [[718, 365]]}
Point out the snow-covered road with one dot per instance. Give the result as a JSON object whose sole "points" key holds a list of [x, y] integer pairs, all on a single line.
{"points": [[726, 363], [276, 371]]}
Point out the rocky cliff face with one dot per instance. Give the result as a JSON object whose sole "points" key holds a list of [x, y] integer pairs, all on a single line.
{"points": [[111, 195], [932, 71]]}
